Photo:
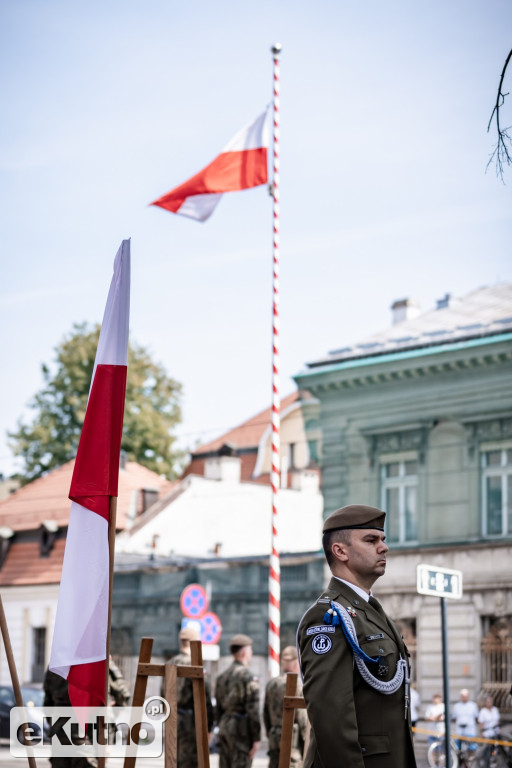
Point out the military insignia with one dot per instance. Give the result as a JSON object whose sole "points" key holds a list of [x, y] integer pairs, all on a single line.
{"points": [[351, 610], [321, 628], [321, 644], [383, 669], [379, 636]]}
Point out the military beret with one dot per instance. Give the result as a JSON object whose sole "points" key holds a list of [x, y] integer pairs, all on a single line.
{"points": [[189, 633], [289, 653], [240, 641], [355, 516]]}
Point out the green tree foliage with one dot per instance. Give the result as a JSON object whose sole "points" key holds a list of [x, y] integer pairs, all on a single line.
{"points": [[152, 409]]}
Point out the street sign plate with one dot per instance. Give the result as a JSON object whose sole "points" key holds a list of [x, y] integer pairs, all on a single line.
{"points": [[438, 582]]}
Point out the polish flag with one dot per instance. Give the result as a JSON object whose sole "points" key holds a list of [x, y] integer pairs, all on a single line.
{"points": [[241, 164], [79, 646]]}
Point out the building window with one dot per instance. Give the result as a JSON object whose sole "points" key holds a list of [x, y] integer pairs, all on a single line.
{"points": [[399, 483], [497, 491], [38, 654], [496, 660]]}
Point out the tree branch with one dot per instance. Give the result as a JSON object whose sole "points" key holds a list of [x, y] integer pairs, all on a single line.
{"points": [[501, 155]]}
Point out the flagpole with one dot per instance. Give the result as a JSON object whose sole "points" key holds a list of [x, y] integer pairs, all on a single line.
{"points": [[274, 598], [111, 553], [14, 675]]}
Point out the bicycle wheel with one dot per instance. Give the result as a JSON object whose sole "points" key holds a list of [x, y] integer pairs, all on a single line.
{"points": [[436, 756]]}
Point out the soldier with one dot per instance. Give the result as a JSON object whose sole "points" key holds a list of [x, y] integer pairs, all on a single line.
{"points": [[354, 662], [119, 693], [273, 712], [187, 747], [56, 695], [237, 693]]}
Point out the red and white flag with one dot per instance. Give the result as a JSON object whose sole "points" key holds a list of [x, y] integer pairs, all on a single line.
{"points": [[80, 637], [241, 164]]}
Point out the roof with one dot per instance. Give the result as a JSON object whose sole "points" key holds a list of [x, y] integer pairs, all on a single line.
{"points": [[47, 497], [483, 312], [24, 564], [249, 433]]}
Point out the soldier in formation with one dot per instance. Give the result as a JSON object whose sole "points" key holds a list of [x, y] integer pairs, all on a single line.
{"points": [[187, 747], [273, 712], [237, 693]]}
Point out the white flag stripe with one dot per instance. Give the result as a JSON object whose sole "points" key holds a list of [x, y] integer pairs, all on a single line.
{"points": [[252, 136], [113, 341], [82, 612], [199, 207]]}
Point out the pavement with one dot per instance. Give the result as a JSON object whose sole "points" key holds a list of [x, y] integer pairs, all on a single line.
{"points": [[260, 761]]}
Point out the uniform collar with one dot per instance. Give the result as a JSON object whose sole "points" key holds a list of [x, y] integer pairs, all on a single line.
{"points": [[358, 590]]}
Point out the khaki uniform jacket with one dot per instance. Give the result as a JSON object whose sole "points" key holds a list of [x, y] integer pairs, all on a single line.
{"points": [[352, 724]]}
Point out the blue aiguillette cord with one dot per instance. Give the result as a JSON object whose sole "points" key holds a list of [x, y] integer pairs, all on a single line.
{"points": [[353, 644]]}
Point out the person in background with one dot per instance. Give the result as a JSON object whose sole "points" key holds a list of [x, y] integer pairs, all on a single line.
{"points": [[415, 705], [237, 694], [273, 712], [187, 747], [435, 714], [465, 715], [489, 719]]}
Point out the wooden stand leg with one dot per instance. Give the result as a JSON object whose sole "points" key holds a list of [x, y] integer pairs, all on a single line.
{"points": [[285, 750], [139, 690], [171, 724], [200, 716]]}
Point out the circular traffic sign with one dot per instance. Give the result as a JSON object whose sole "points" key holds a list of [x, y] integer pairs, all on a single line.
{"points": [[193, 601], [211, 628]]}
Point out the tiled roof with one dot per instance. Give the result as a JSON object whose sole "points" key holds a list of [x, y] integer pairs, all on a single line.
{"points": [[24, 564], [483, 312], [248, 434], [47, 497]]}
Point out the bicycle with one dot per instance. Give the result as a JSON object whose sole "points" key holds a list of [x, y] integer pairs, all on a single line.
{"points": [[461, 757]]}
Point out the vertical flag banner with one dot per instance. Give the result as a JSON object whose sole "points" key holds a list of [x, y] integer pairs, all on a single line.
{"points": [[241, 164], [80, 638]]}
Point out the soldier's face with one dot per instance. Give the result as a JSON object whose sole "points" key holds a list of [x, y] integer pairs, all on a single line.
{"points": [[365, 556]]}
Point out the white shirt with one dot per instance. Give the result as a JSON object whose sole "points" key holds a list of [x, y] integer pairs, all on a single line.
{"points": [[433, 711], [465, 714], [415, 704], [489, 719], [361, 592]]}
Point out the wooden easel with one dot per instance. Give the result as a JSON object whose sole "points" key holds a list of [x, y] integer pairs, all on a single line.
{"points": [[291, 703], [170, 673]]}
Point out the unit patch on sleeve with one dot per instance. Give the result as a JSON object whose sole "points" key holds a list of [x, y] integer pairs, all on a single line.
{"points": [[321, 644], [322, 628]]}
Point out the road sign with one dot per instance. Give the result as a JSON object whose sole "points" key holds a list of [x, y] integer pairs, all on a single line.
{"points": [[194, 601], [211, 628], [438, 582]]}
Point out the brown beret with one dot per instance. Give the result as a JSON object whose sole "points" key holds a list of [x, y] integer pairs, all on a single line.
{"points": [[189, 633], [239, 641], [289, 653], [355, 516]]}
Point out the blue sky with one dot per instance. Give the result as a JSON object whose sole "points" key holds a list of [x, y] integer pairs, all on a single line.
{"points": [[107, 105]]}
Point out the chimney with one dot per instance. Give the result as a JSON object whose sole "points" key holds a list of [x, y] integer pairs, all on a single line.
{"points": [[226, 468], [444, 302], [404, 309]]}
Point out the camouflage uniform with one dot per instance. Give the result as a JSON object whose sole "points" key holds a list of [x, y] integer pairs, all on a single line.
{"points": [[273, 719], [187, 748], [56, 695], [117, 688], [237, 693]]}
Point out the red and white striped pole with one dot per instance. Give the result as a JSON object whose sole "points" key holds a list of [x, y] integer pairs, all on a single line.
{"points": [[274, 596]]}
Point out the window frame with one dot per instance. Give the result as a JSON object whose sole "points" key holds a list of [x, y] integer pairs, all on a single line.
{"points": [[402, 482], [503, 471]]}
